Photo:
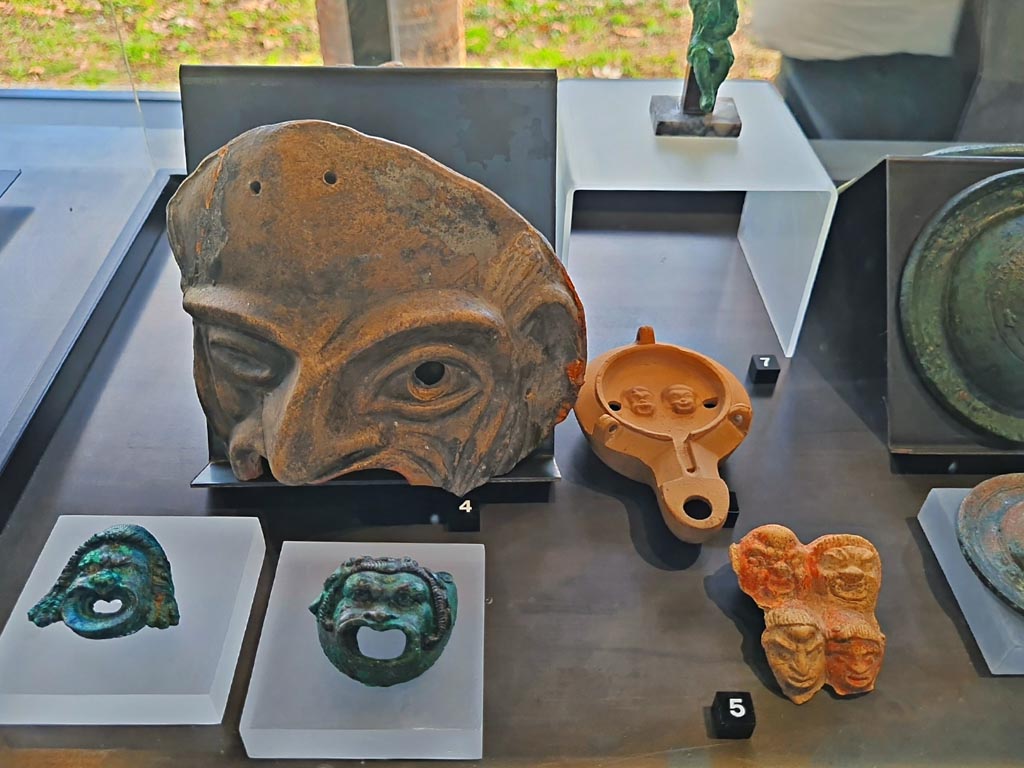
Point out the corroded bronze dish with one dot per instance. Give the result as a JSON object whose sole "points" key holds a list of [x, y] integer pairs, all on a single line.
{"points": [[980, 150], [962, 305], [990, 529]]}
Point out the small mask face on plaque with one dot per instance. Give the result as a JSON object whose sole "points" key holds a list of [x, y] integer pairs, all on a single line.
{"points": [[820, 601], [855, 652], [849, 568], [794, 643], [357, 305], [771, 565]]}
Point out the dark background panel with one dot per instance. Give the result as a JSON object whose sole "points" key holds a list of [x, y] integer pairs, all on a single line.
{"points": [[496, 126]]}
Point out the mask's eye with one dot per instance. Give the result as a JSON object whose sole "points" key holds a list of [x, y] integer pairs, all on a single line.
{"points": [[245, 359], [428, 384]]}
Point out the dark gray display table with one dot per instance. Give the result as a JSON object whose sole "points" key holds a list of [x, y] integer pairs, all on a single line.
{"points": [[605, 637]]}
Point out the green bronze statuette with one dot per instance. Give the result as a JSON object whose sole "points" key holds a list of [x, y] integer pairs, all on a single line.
{"points": [[962, 306], [710, 54], [123, 563], [385, 593], [700, 112]]}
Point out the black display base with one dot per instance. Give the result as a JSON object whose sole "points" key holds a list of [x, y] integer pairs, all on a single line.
{"points": [[538, 467], [669, 119]]}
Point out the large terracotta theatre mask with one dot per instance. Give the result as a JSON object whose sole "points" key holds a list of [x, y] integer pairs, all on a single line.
{"points": [[358, 305]]}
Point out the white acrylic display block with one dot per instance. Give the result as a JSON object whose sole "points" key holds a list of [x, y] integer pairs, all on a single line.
{"points": [[300, 706], [997, 628], [606, 142], [175, 676]]}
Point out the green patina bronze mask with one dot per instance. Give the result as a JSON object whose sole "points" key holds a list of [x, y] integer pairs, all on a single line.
{"points": [[123, 563], [383, 594], [710, 53]]}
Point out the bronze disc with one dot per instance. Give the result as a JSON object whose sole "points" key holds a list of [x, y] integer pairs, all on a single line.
{"points": [[980, 150], [990, 529], [962, 305]]}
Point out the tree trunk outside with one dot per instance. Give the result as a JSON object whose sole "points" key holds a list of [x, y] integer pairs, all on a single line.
{"points": [[425, 33]]}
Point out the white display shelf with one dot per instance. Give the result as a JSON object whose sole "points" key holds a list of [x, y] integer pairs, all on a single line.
{"points": [[300, 706], [997, 628], [175, 676], [606, 142]]}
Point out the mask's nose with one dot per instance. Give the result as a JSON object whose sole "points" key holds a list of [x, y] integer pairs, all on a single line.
{"points": [[802, 663], [103, 582], [310, 432], [301, 447]]}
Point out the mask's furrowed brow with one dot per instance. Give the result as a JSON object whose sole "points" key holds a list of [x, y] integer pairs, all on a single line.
{"points": [[223, 306], [407, 312]]}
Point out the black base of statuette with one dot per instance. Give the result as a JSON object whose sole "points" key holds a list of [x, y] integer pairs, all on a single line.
{"points": [[538, 467], [669, 119]]}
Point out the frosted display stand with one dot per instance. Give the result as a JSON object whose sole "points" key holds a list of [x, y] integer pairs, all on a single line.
{"points": [[997, 628], [300, 706], [176, 676], [605, 142]]}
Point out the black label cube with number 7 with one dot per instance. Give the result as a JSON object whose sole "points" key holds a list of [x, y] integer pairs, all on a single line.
{"points": [[732, 715], [764, 369]]}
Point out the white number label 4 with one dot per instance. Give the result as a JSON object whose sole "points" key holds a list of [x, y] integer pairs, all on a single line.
{"points": [[466, 506], [736, 708]]}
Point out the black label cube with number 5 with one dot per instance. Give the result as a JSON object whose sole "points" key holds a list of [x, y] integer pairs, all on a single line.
{"points": [[732, 715]]}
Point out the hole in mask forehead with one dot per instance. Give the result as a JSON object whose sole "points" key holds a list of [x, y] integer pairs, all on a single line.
{"points": [[389, 644]]}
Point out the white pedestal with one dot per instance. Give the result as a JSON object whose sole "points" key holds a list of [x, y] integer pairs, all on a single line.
{"points": [[997, 628], [300, 706], [606, 142], [179, 675]]}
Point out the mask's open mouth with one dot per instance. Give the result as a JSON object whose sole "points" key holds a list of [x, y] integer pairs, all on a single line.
{"points": [[802, 683], [388, 642], [859, 680], [381, 645], [107, 613]]}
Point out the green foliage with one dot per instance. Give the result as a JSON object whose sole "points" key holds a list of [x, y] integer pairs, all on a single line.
{"points": [[478, 40], [77, 42]]}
